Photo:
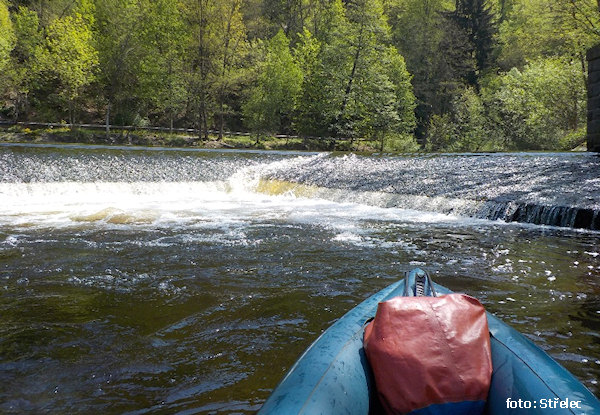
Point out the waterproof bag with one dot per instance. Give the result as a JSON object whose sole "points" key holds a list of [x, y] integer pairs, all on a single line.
{"points": [[430, 355]]}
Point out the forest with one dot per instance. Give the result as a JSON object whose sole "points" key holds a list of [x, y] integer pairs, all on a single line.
{"points": [[434, 75]]}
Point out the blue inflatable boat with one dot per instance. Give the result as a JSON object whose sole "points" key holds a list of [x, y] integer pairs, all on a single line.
{"points": [[333, 377]]}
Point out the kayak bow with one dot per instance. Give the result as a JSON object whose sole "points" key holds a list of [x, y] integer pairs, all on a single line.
{"points": [[333, 376]]}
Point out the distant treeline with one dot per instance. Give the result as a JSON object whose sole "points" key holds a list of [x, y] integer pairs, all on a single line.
{"points": [[444, 75]]}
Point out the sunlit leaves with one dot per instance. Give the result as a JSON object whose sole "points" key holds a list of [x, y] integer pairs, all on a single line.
{"points": [[355, 83], [272, 100], [539, 105], [7, 35], [69, 54]]}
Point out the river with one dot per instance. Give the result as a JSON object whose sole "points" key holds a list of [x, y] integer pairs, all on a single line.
{"points": [[141, 280]]}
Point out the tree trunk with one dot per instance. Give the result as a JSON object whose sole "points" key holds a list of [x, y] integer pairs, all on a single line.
{"points": [[107, 122], [221, 122], [359, 47], [353, 72], [584, 68], [71, 113], [205, 125], [200, 123], [25, 111], [17, 107]]}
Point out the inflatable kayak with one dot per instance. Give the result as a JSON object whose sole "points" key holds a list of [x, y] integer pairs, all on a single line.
{"points": [[333, 376]]}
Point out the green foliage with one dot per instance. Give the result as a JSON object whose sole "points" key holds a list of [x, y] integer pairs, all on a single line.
{"points": [[68, 56], [402, 143], [273, 99], [310, 117], [545, 28], [7, 35], [163, 40], [541, 107], [466, 128], [352, 62], [355, 83], [476, 18], [216, 59], [461, 75], [435, 50], [286, 15], [28, 32], [536, 107], [441, 133], [405, 101], [120, 54], [324, 64], [7, 44], [572, 139], [230, 57], [21, 75], [530, 32], [581, 21]]}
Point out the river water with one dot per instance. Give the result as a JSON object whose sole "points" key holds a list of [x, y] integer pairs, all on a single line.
{"points": [[138, 280]]}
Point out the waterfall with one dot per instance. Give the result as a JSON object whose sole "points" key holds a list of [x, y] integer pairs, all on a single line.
{"points": [[543, 189]]}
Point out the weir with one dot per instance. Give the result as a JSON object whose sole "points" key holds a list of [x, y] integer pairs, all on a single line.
{"points": [[117, 186], [542, 189]]}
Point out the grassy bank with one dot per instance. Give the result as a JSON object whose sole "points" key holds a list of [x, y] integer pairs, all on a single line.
{"points": [[65, 135], [20, 134]]}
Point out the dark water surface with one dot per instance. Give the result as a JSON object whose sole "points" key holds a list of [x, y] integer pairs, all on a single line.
{"points": [[138, 281]]}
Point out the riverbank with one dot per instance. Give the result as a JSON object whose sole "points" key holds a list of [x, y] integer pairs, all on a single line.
{"points": [[66, 135], [149, 138]]}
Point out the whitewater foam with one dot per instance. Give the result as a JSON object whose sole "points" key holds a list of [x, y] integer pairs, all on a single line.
{"points": [[323, 188], [245, 197]]}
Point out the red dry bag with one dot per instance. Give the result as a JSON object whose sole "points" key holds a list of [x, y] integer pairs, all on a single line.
{"points": [[430, 355]]}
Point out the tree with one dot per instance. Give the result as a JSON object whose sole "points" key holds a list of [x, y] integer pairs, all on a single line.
{"points": [[7, 35], [536, 29], [310, 115], [163, 39], [216, 53], [405, 100], [200, 63], [428, 43], [21, 74], [272, 101], [48, 10], [293, 16], [255, 19], [323, 60], [230, 56], [69, 57], [355, 83], [7, 43], [287, 15], [364, 28], [373, 76], [476, 20], [580, 22], [120, 53], [465, 128], [538, 107]]}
